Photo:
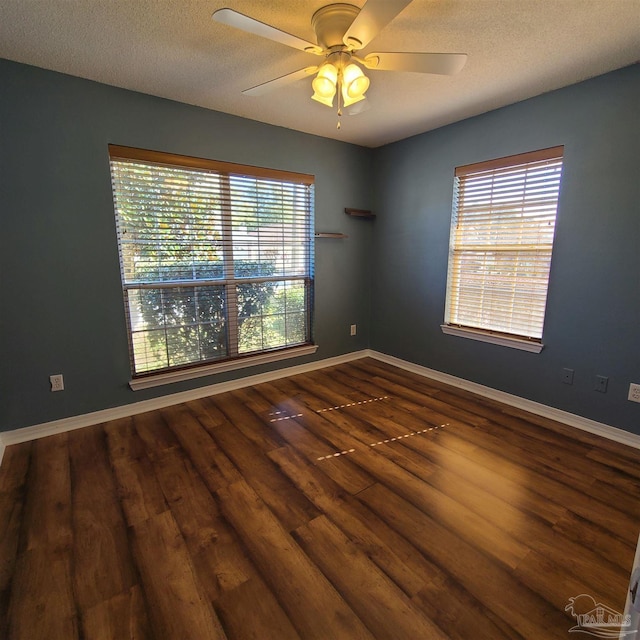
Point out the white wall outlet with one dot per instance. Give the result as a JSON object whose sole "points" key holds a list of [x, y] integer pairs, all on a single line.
{"points": [[354, 329], [601, 384], [57, 382], [634, 392]]}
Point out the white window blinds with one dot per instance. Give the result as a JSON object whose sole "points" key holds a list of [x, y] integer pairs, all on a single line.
{"points": [[216, 259], [501, 242]]}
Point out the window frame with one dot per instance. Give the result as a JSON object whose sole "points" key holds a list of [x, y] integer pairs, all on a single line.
{"points": [[230, 282], [490, 170]]}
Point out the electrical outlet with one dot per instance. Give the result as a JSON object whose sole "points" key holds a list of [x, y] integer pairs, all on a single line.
{"points": [[567, 376], [354, 329], [601, 384], [57, 382], [634, 392]]}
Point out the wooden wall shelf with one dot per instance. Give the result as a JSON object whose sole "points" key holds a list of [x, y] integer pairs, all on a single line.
{"points": [[359, 213], [330, 235]]}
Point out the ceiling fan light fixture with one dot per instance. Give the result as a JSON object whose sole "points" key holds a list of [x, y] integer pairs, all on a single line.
{"points": [[347, 100], [324, 84], [322, 99], [354, 82]]}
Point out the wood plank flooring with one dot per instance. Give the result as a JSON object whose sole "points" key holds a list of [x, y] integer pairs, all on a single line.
{"points": [[358, 501]]}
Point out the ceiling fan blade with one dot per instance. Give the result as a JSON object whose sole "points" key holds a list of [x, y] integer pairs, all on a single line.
{"points": [[375, 15], [250, 25], [282, 81], [441, 63]]}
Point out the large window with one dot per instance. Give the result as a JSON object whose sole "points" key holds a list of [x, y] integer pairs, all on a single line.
{"points": [[502, 232], [216, 259]]}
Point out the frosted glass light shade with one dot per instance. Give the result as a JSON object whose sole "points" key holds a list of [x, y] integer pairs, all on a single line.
{"points": [[318, 98], [347, 100], [324, 84], [354, 81]]}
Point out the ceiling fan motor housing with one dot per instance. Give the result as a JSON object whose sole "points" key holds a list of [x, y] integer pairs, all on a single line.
{"points": [[331, 23]]}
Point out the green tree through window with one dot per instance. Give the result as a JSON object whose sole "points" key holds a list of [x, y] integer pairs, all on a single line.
{"points": [[216, 259]]}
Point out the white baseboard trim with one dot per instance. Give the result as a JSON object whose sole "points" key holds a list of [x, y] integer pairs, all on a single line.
{"points": [[36, 431], [570, 419]]}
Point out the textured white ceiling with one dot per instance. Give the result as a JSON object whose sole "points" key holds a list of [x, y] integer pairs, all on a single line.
{"points": [[171, 48]]}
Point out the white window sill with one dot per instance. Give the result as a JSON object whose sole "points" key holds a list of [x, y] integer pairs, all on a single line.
{"points": [[493, 338], [219, 367]]}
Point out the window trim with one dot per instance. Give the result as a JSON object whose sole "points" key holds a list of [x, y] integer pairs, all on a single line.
{"points": [[191, 162], [519, 158], [516, 341], [493, 337], [197, 369], [211, 368]]}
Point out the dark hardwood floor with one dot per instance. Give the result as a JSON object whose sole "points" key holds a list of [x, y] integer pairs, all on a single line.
{"points": [[358, 501]]}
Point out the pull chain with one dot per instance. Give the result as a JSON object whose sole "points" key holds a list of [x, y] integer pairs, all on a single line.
{"points": [[339, 92]]}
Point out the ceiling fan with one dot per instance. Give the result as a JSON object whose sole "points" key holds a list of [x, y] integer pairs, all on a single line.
{"points": [[343, 30]]}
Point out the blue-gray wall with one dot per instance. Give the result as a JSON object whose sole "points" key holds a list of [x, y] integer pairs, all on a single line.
{"points": [[593, 308], [61, 303]]}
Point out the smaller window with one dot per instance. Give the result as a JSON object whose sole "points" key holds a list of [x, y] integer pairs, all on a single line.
{"points": [[502, 230]]}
